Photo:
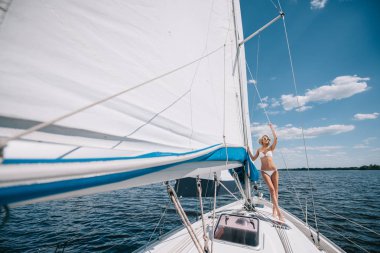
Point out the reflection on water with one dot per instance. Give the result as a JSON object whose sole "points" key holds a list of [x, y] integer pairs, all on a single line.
{"points": [[122, 221]]}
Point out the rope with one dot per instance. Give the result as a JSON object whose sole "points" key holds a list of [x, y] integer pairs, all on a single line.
{"points": [[340, 216], [183, 216], [205, 237], [284, 239], [48, 123]]}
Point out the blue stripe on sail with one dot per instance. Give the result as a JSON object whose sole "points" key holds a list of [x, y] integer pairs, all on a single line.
{"points": [[98, 159], [15, 194]]}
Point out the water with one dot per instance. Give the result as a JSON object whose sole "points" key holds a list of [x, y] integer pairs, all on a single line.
{"points": [[122, 221]]}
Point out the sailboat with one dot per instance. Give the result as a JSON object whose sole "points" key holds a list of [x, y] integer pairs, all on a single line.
{"points": [[99, 96]]}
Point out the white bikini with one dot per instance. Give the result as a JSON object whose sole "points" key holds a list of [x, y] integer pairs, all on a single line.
{"points": [[267, 154]]}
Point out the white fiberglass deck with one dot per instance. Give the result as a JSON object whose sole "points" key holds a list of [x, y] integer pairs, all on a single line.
{"points": [[293, 237]]}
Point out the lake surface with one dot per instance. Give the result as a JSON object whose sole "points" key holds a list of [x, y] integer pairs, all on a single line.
{"points": [[122, 221]]}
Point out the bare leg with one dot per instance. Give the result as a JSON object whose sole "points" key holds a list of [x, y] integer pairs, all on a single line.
{"points": [[274, 179], [268, 181]]}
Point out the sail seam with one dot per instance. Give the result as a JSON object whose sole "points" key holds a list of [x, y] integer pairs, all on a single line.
{"points": [[48, 123]]}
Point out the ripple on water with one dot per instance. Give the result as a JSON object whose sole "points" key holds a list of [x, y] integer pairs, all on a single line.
{"points": [[122, 221]]}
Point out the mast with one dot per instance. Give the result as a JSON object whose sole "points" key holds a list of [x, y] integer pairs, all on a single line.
{"points": [[246, 176]]}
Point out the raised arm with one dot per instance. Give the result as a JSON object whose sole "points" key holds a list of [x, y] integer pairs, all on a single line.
{"points": [[253, 157], [273, 146]]}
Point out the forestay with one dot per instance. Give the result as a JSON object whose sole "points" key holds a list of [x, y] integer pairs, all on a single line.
{"points": [[59, 56]]}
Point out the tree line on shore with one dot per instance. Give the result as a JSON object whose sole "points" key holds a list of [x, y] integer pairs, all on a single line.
{"points": [[364, 167]]}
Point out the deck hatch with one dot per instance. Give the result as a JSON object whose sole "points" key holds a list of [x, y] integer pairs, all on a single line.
{"points": [[237, 229]]}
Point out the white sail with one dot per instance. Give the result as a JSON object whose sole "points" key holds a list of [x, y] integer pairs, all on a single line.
{"points": [[59, 56]]}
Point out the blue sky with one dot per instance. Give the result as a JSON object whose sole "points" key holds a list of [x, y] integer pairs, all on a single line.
{"points": [[335, 47]]}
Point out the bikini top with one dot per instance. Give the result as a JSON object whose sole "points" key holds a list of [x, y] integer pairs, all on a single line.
{"points": [[267, 154]]}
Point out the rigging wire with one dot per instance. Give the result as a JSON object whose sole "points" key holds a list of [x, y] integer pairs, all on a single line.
{"points": [[275, 6], [340, 216], [302, 128], [258, 94], [5, 216], [64, 244], [257, 58], [266, 114], [279, 8], [292, 185], [158, 223], [233, 195], [304, 142], [324, 223], [155, 228]]}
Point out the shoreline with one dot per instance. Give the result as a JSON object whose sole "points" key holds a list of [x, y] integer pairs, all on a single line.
{"points": [[367, 167]]}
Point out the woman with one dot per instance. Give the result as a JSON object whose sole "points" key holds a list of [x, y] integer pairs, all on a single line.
{"points": [[268, 168]]}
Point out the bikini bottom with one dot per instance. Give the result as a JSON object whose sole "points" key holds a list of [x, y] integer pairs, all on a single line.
{"points": [[269, 172]]}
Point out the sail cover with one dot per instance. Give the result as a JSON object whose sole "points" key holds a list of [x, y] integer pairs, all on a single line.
{"points": [[183, 111]]}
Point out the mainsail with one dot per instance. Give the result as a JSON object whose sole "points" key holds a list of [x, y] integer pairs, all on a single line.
{"points": [[158, 76]]}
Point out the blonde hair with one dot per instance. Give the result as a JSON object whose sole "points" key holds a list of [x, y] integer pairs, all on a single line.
{"points": [[261, 139]]}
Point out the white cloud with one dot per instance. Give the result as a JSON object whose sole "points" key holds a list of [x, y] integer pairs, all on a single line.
{"points": [[274, 103], [322, 148], [303, 108], [253, 81], [262, 105], [362, 116], [341, 87], [365, 143], [273, 112], [369, 140], [318, 4], [336, 154], [269, 102], [361, 146], [301, 149], [318, 156], [291, 132]]}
